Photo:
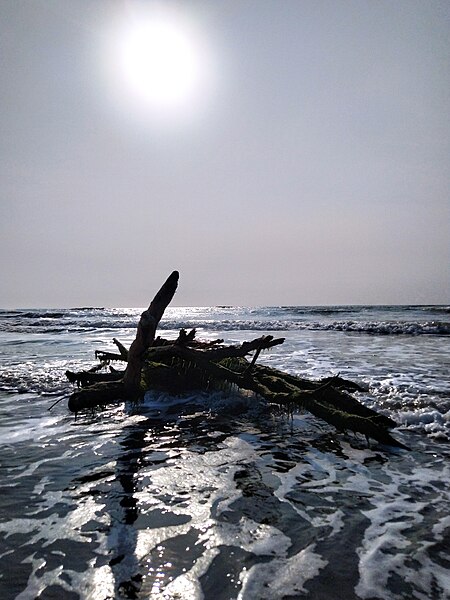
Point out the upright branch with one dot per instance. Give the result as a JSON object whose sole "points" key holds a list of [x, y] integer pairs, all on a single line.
{"points": [[146, 333], [128, 385]]}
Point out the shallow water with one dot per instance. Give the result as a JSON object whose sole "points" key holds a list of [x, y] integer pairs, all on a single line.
{"points": [[219, 496]]}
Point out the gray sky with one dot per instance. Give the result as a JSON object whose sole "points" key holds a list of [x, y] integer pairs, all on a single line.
{"points": [[312, 166]]}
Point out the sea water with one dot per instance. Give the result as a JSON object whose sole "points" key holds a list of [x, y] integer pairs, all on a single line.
{"points": [[219, 495]]}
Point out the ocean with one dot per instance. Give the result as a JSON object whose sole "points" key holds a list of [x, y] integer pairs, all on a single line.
{"points": [[217, 495]]}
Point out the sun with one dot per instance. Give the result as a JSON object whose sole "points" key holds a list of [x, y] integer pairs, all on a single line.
{"points": [[160, 62]]}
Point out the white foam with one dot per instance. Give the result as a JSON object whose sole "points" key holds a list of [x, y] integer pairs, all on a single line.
{"points": [[36, 585], [52, 528], [98, 582], [148, 539], [428, 575], [31, 430], [388, 547], [441, 526], [281, 577], [287, 483], [433, 422], [188, 478], [35, 465], [335, 520], [400, 499], [91, 585], [187, 585], [260, 539]]}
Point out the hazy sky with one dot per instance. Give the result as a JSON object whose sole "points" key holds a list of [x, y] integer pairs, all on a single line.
{"points": [[309, 165]]}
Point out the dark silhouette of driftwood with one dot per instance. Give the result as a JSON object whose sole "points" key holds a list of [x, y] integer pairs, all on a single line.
{"points": [[129, 384], [187, 363]]}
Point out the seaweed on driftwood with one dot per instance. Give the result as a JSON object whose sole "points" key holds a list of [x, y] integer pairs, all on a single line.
{"points": [[187, 363]]}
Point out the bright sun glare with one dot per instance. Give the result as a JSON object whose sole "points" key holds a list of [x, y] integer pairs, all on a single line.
{"points": [[160, 63]]}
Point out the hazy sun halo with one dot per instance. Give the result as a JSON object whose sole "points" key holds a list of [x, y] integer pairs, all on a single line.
{"points": [[160, 63]]}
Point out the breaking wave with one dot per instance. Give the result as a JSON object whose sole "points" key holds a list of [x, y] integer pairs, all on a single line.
{"points": [[373, 320]]}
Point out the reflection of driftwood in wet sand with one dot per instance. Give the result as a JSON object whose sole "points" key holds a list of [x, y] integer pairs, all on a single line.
{"points": [[187, 363]]}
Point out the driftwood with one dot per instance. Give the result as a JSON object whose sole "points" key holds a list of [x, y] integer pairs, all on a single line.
{"points": [[107, 357], [187, 363], [128, 386]]}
